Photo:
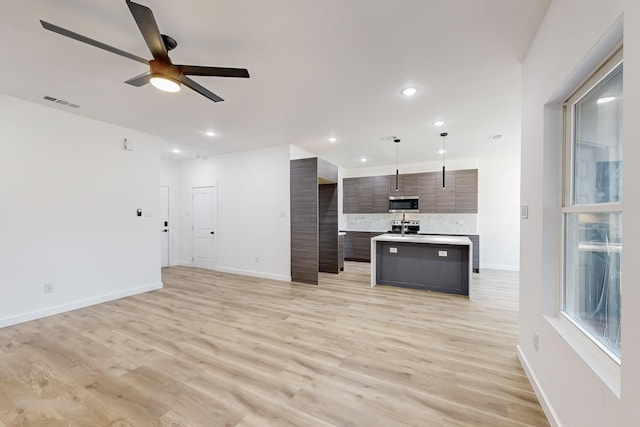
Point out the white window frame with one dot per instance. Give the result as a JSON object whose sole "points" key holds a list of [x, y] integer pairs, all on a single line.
{"points": [[568, 205]]}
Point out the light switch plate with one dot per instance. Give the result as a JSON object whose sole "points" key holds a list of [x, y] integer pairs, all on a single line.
{"points": [[393, 250], [442, 253], [524, 211]]}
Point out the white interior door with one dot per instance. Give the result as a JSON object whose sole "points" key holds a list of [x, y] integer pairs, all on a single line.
{"points": [[205, 211], [164, 226]]}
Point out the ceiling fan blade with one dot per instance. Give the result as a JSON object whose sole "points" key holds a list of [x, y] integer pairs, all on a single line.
{"points": [[149, 29], [195, 70], [140, 80], [87, 40], [200, 89]]}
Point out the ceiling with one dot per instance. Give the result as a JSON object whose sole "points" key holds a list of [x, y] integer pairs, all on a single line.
{"points": [[318, 69]]}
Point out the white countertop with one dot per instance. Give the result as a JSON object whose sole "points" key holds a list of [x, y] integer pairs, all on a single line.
{"points": [[413, 238], [421, 232]]}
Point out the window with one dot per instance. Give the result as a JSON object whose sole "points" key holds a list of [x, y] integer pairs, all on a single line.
{"points": [[592, 207]]}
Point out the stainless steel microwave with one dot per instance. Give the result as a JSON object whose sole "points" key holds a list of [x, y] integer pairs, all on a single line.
{"points": [[404, 204]]}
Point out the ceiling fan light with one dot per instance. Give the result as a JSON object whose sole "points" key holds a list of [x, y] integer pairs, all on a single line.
{"points": [[164, 83]]}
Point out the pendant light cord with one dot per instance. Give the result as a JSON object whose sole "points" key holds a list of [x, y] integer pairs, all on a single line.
{"points": [[443, 135], [397, 141], [444, 150]]}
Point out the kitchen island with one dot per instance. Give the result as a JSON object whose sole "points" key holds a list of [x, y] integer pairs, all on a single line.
{"points": [[436, 263]]}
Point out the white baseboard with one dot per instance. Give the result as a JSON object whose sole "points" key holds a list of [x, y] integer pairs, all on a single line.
{"points": [[242, 272], [552, 417], [259, 274], [50, 311], [499, 267]]}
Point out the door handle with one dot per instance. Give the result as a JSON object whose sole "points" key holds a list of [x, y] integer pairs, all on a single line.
{"points": [[165, 231], [213, 232]]}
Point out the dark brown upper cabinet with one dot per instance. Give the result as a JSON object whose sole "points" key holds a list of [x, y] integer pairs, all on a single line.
{"points": [[446, 196], [367, 194], [356, 195], [467, 191], [327, 172], [380, 194], [408, 185], [350, 195], [428, 192], [370, 194]]}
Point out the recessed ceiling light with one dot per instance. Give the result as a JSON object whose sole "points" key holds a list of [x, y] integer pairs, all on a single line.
{"points": [[441, 151], [332, 139], [175, 150], [363, 159], [210, 133], [606, 99], [409, 91], [438, 123]]}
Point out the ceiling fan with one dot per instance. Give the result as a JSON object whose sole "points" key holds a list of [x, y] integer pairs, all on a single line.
{"points": [[163, 74]]}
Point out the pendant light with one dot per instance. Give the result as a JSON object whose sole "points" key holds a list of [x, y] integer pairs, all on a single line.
{"points": [[443, 135], [397, 141]]}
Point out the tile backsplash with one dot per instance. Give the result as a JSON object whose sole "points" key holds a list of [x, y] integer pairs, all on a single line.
{"points": [[429, 223]]}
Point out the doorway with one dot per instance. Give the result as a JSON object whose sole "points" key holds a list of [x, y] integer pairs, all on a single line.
{"points": [[164, 227], [205, 221]]}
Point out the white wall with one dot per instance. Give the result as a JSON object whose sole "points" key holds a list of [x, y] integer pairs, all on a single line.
{"points": [[296, 153], [253, 210], [497, 221], [68, 211], [499, 212], [576, 384]]}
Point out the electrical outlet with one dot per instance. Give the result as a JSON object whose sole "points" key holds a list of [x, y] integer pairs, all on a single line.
{"points": [[48, 287], [535, 341]]}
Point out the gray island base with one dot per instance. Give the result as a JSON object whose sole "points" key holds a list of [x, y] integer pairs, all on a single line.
{"points": [[435, 263]]}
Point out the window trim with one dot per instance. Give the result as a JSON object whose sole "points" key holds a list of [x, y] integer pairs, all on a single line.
{"points": [[607, 67], [605, 367]]}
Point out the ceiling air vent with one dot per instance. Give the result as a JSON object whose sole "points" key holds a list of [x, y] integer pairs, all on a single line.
{"points": [[61, 101], [494, 137]]}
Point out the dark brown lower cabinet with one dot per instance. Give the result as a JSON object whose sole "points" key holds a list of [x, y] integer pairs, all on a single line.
{"points": [[341, 253], [357, 245], [475, 239]]}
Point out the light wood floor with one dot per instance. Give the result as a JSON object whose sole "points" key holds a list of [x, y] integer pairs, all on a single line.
{"points": [[214, 349]]}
